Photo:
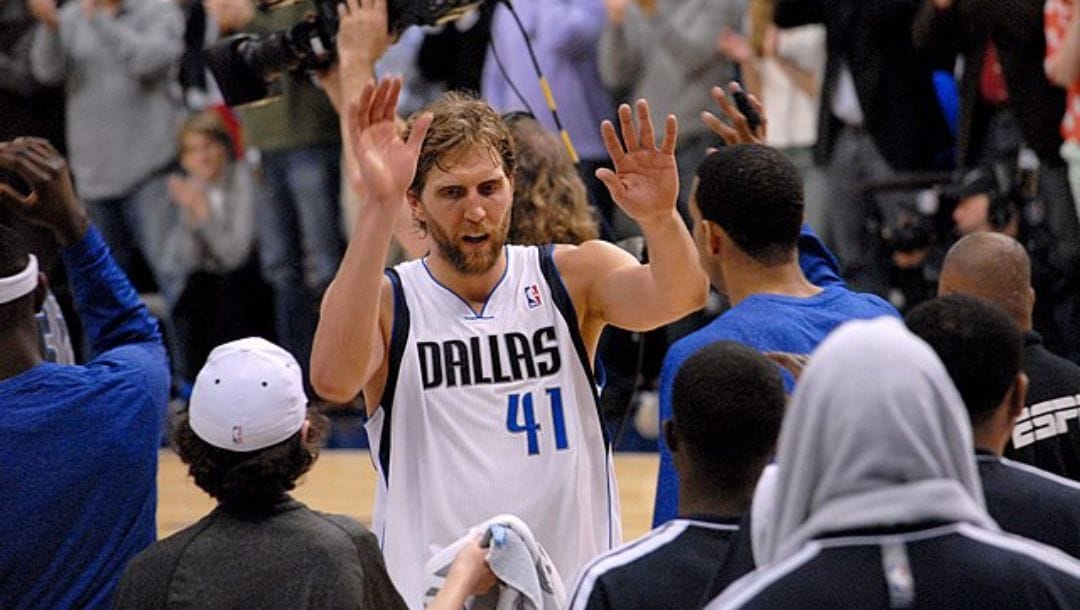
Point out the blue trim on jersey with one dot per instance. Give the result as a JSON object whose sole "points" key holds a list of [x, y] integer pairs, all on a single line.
{"points": [[480, 315], [565, 305], [399, 335]]}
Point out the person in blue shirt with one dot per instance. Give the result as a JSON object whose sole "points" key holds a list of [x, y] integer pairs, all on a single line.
{"points": [[785, 291], [78, 444]]}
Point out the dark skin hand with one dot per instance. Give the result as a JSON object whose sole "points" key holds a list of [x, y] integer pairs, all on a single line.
{"points": [[52, 203], [738, 132]]}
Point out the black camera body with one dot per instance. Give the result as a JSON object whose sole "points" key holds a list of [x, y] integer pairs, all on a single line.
{"points": [[244, 65]]}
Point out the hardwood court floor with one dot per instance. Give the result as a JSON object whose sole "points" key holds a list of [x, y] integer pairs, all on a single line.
{"points": [[343, 481]]}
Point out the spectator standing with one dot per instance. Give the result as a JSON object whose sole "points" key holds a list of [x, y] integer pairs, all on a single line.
{"points": [[878, 116], [28, 107], [665, 51], [78, 443], [117, 61], [981, 347], [1010, 111], [247, 437], [1047, 432], [564, 36], [877, 489], [784, 69], [728, 403], [299, 156], [211, 246]]}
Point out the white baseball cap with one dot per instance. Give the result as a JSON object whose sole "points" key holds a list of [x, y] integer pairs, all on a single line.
{"points": [[248, 396]]}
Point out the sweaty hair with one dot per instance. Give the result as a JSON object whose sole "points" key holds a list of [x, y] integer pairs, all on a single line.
{"points": [[755, 194], [550, 204], [979, 344], [461, 123], [728, 402], [255, 480]]}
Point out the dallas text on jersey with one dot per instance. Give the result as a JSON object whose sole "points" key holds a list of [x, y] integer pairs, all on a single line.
{"points": [[512, 357]]}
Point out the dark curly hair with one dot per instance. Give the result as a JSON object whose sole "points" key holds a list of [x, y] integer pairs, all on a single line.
{"points": [[550, 203], [755, 194], [253, 480]]}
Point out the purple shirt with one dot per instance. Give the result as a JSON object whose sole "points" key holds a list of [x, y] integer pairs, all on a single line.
{"points": [[565, 35]]}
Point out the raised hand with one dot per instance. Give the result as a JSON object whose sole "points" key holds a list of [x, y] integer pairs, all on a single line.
{"points": [[44, 11], [190, 195], [739, 131], [52, 202], [387, 163], [645, 182], [363, 34]]}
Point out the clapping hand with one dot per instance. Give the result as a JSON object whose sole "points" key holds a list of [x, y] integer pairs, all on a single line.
{"points": [[190, 195], [645, 182]]}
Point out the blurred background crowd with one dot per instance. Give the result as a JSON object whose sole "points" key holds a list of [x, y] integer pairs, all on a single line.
{"points": [[912, 122]]}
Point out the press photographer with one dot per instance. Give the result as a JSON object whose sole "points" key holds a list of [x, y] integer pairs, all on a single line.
{"points": [[245, 64]]}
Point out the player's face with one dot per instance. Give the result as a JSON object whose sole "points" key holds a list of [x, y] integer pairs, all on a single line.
{"points": [[466, 206]]}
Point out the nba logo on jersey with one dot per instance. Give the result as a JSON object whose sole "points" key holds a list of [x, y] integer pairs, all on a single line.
{"points": [[532, 296]]}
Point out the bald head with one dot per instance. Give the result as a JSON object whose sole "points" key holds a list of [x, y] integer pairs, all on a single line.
{"points": [[994, 267]]}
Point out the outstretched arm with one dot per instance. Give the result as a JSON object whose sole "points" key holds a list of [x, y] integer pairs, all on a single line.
{"points": [[349, 345], [645, 183]]}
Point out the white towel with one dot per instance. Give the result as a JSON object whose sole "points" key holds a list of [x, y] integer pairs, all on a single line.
{"points": [[527, 578]]}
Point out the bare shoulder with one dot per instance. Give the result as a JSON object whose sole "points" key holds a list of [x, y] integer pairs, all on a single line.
{"points": [[584, 268], [590, 257]]}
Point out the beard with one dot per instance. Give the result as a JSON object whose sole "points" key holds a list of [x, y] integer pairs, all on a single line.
{"points": [[472, 261]]}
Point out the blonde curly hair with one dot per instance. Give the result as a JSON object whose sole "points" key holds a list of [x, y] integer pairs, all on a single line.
{"points": [[550, 202]]}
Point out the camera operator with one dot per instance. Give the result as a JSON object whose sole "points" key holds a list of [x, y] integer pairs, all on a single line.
{"points": [[993, 198], [299, 239]]}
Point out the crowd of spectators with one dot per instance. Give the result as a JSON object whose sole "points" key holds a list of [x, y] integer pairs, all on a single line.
{"points": [[932, 145]]}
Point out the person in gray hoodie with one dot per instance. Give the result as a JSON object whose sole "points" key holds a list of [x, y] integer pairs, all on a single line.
{"points": [[876, 489]]}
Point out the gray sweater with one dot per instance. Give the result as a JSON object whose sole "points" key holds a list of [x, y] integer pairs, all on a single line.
{"points": [[670, 58], [291, 557], [123, 104]]}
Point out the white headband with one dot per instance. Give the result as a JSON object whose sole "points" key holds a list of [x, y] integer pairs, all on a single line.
{"points": [[21, 284]]}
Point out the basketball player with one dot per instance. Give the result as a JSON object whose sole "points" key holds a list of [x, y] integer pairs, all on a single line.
{"points": [[476, 360]]}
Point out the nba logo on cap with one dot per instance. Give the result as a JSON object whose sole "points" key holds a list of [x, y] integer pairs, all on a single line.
{"points": [[237, 435], [532, 296]]}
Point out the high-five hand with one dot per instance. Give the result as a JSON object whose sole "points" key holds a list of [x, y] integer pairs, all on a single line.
{"points": [[739, 131], [387, 163], [645, 182]]}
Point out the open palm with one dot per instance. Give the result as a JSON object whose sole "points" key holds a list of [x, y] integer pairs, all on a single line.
{"points": [[645, 182], [387, 163]]}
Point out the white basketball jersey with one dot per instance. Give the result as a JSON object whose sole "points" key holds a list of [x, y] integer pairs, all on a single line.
{"points": [[485, 413]]}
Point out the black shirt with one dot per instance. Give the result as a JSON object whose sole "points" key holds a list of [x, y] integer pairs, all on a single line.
{"points": [[289, 557], [1047, 433], [1032, 503], [956, 566], [669, 567]]}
